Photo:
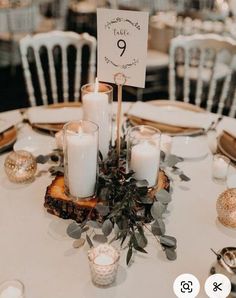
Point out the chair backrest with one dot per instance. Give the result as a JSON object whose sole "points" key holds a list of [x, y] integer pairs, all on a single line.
{"points": [[203, 53], [50, 41]]}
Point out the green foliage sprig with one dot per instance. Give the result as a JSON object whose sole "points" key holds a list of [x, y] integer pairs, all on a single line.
{"points": [[128, 209]]}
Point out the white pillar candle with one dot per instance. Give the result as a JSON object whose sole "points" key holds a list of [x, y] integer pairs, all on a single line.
{"points": [[145, 159], [103, 260], [220, 168], [82, 164], [11, 292], [96, 109], [166, 144]]}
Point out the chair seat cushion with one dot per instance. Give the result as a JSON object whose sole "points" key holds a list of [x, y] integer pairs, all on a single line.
{"points": [[221, 71], [156, 59]]}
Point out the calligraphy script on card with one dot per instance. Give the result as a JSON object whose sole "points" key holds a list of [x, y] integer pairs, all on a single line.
{"points": [[122, 46]]}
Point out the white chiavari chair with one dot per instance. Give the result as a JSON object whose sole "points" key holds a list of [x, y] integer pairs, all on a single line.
{"points": [[49, 41], [205, 69]]}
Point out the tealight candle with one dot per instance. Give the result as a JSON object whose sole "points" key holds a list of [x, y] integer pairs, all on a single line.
{"points": [[11, 292], [97, 108], [166, 144], [11, 289], [143, 153], [220, 167], [80, 149], [103, 261]]}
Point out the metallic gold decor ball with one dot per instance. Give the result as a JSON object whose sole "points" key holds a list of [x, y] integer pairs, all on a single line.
{"points": [[226, 208], [20, 166]]}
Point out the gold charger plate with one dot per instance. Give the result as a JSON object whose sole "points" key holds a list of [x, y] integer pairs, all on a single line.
{"points": [[55, 127], [7, 138], [227, 145], [166, 128]]}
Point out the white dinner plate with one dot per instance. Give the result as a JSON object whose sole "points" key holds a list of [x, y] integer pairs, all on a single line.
{"points": [[231, 181], [36, 144], [190, 147]]}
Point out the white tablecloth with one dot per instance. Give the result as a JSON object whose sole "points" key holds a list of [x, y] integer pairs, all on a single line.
{"points": [[35, 249]]}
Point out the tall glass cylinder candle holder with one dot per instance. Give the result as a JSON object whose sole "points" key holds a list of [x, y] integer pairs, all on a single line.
{"points": [[97, 106], [80, 146], [143, 153]]}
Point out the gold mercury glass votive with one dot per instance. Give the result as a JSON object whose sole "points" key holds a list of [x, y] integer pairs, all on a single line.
{"points": [[103, 262], [226, 208], [20, 166]]}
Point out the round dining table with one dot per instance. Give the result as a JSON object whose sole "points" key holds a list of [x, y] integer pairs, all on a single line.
{"points": [[35, 249]]}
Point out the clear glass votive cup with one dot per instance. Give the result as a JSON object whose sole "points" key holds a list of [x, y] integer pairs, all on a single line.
{"points": [[143, 153], [97, 101], [80, 146], [12, 288], [220, 166], [103, 263]]}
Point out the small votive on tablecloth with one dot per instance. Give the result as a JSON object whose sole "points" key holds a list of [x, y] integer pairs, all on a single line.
{"points": [[220, 167], [103, 262], [11, 289]]}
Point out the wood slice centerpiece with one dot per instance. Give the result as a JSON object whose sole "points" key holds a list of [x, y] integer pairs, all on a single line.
{"points": [[59, 204]]}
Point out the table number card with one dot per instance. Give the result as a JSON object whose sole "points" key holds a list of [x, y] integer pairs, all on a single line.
{"points": [[122, 45]]}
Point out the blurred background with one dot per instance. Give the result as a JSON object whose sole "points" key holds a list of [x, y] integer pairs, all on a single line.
{"points": [[168, 19]]}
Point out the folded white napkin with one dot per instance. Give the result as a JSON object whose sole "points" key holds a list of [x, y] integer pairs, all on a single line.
{"points": [[172, 115], [54, 115], [9, 119]]}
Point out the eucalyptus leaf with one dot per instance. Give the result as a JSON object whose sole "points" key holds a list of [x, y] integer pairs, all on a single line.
{"points": [[90, 243], [170, 254], [158, 227], [168, 241], [42, 159], [163, 196], [157, 210], [100, 238], [146, 200], [102, 210], [141, 239], [172, 160], [107, 227], [124, 235], [183, 177], [116, 229], [94, 224], [140, 249], [74, 230], [129, 255]]}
